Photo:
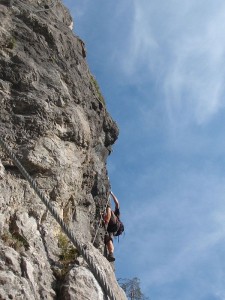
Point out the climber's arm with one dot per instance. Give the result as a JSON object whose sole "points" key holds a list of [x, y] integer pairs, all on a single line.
{"points": [[116, 201]]}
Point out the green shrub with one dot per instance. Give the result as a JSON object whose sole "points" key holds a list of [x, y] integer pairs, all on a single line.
{"points": [[67, 256], [68, 253]]}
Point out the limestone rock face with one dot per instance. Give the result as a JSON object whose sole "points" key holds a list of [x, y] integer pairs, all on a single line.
{"points": [[54, 119]]}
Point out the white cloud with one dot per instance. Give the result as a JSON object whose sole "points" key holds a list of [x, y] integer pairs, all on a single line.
{"points": [[140, 41], [181, 45], [194, 82]]}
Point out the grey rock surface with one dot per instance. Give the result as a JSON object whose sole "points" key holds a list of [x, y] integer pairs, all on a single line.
{"points": [[54, 118]]}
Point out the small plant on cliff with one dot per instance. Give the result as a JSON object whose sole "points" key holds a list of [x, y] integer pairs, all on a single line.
{"points": [[11, 44], [95, 83], [68, 253]]}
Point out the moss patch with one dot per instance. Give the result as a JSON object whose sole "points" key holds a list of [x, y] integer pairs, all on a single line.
{"points": [[97, 88], [14, 241]]}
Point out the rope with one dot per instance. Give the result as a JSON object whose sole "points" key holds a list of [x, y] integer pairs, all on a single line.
{"points": [[81, 248], [100, 220]]}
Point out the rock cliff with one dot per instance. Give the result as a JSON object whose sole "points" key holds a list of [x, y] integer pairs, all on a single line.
{"points": [[54, 118]]}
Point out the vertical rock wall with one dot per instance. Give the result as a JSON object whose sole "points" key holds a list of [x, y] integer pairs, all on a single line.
{"points": [[54, 118]]}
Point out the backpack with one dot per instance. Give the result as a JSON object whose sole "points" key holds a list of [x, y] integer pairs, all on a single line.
{"points": [[115, 225], [120, 228]]}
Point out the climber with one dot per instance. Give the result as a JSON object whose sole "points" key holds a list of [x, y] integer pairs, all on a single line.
{"points": [[111, 225]]}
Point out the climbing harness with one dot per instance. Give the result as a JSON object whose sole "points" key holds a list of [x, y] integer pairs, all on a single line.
{"points": [[101, 219], [80, 247]]}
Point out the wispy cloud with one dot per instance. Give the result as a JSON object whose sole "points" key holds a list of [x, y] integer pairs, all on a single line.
{"points": [[181, 46], [141, 46], [194, 82]]}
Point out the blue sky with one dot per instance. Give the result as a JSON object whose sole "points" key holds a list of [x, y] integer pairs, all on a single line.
{"points": [[161, 66]]}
